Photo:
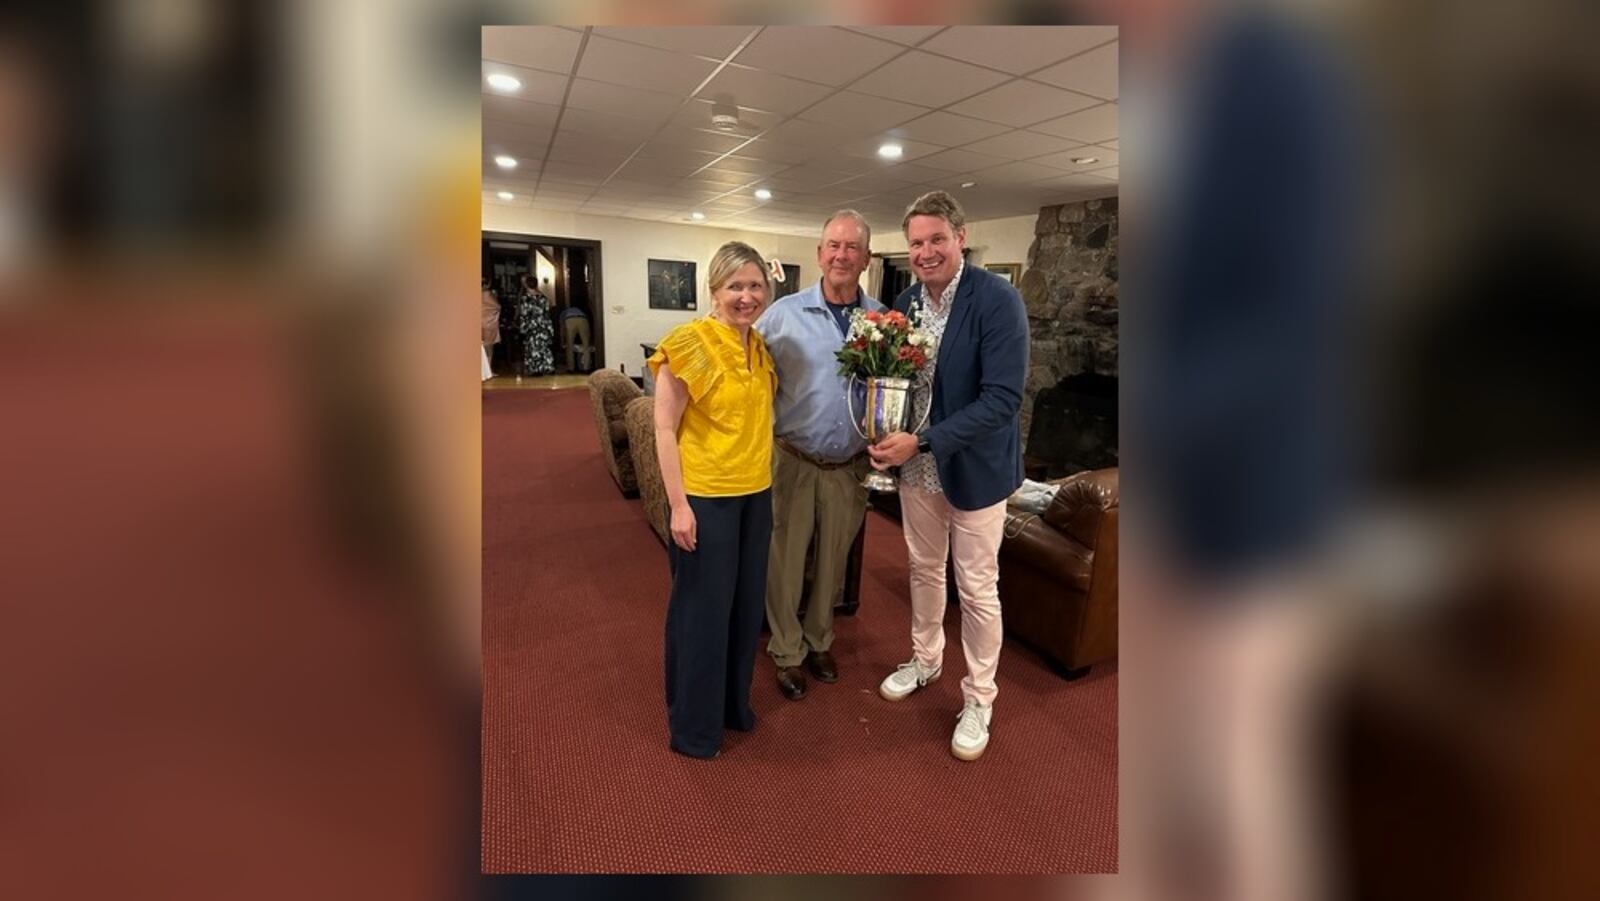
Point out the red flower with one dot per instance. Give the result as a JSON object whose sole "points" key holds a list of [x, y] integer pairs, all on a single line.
{"points": [[895, 317], [874, 317]]}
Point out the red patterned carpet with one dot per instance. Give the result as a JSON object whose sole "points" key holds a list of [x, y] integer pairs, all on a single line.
{"points": [[577, 776]]}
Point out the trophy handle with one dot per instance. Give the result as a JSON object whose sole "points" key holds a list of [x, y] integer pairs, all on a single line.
{"points": [[925, 412], [849, 403]]}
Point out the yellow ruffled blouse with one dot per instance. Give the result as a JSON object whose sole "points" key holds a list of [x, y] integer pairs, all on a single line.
{"points": [[725, 436]]}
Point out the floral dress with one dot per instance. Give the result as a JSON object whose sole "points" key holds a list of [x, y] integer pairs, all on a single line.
{"points": [[538, 335]]}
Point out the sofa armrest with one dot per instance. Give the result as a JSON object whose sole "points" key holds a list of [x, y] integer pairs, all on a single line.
{"points": [[1082, 503], [1033, 542]]}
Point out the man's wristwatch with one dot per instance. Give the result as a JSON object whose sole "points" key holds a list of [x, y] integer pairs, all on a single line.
{"points": [[924, 446]]}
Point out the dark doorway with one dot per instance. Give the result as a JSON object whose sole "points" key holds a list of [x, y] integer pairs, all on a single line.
{"points": [[568, 274]]}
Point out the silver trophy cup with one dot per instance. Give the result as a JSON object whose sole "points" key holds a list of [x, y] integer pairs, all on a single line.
{"points": [[888, 407]]}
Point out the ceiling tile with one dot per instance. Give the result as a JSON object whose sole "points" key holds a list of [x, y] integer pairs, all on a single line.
{"points": [[697, 114], [749, 165], [925, 79], [577, 173], [1093, 125], [900, 34], [641, 67], [800, 133], [520, 112], [597, 96], [1093, 73], [573, 147], [849, 110], [507, 132], [868, 149], [831, 56], [533, 46], [948, 129], [1102, 158], [1020, 103], [960, 161], [763, 90], [1018, 48], [646, 168], [581, 120], [706, 40], [780, 151], [1020, 145], [537, 87], [1013, 174], [696, 139]]}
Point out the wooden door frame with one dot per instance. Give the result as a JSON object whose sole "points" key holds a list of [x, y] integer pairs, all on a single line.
{"points": [[596, 289]]}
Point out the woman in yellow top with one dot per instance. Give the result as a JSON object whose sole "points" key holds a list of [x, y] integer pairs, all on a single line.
{"points": [[713, 416]]}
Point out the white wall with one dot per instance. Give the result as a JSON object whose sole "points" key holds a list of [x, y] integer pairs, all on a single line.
{"points": [[625, 245]]}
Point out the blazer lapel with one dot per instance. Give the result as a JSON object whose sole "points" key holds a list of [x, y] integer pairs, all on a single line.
{"points": [[961, 314]]}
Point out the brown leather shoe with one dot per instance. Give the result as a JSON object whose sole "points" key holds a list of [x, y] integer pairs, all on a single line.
{"points": [[823, 666], [792, 682]]}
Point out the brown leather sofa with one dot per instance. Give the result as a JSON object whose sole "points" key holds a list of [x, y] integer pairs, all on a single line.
{"points": [[609, 393], [642, 445], [1058, 574]]}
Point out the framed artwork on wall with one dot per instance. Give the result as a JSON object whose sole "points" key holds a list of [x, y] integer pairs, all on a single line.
{"points": [[671, 285], [1011, 272]]}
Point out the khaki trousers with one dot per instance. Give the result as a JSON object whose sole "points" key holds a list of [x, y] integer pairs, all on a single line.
{"points": [[808, 500], [971, 538]]}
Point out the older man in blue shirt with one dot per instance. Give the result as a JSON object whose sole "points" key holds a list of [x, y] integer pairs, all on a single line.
{"points": [[818, 466]]}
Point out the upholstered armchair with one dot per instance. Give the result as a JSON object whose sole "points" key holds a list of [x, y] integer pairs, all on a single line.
{"points": [[1058, 573], [641, 424], [609, 393]]}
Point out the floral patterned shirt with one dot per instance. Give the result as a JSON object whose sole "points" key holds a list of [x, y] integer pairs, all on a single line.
{"points": [[930, 319]]}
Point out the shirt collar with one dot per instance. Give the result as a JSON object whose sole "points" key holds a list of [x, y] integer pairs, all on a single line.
{"points": [[949, 290]]}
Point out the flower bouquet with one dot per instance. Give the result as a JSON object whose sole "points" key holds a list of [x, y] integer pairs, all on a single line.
{"points": [[886, 351]]}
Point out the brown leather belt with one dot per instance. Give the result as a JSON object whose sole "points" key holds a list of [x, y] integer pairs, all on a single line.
{"points": [[793, 451]]}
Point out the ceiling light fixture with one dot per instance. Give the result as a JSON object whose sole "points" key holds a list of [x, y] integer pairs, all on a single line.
{"points": [[697, 215], [891, 151], [503, 82], [1085, 160], [968, 184], [506, 195], [505, 162], [724, 116], [763, 194]]}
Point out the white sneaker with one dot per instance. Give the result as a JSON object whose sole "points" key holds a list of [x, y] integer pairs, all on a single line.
{"points": [[907, 678], [972, 731]]}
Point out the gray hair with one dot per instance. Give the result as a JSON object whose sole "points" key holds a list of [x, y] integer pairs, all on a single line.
{"points": [[866, 230], [936, 203]]}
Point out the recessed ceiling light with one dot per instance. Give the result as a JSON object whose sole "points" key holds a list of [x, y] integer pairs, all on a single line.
{"points": [[503, 82], [505, 162], [968, 184], [697, 215], [763, 194], [891, 151], [1085, 160], [506, 195]]}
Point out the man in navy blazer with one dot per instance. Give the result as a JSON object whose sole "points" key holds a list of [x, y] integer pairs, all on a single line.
{"points": [[958, 470]]}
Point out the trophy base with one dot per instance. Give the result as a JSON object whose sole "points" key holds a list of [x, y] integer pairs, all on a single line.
{"points": [[879, 481]]}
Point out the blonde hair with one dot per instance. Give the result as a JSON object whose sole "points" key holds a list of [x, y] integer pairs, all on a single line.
{"points": [[728, 259], [936, 203]]}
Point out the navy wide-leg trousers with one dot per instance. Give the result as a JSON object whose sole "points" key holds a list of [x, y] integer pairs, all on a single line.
{"points": [[714, 620]]}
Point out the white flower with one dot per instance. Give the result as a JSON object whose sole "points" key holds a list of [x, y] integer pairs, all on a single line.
{"points": [[874, 334], [916, 338]]}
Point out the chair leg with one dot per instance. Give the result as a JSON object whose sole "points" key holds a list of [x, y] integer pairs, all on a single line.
{"points": [[1067, 673]]}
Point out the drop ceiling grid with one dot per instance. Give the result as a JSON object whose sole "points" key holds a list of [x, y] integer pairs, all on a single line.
{"points": [[876, 181]]}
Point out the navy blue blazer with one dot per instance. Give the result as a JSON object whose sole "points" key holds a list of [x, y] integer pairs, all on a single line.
{"points": [[977, 390]]}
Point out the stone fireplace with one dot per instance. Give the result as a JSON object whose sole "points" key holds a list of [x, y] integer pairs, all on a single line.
{"points": [[1069, 404]]}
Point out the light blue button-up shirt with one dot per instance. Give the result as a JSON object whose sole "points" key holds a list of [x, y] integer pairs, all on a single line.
{"points": [[810, 410]]}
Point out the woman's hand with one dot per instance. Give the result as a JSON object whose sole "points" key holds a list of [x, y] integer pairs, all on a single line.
{"points": [[683, 527]]}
